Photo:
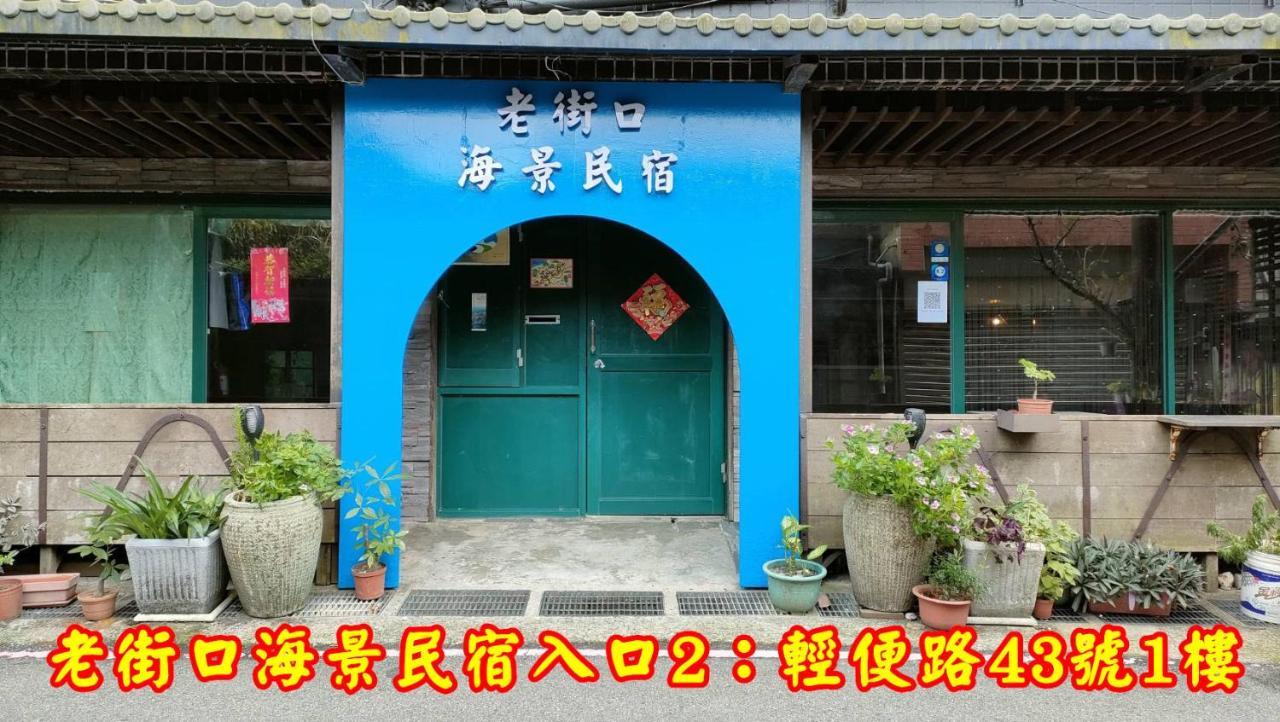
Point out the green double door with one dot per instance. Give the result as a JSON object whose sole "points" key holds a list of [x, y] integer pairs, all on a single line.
{"points": [[554, 401]]}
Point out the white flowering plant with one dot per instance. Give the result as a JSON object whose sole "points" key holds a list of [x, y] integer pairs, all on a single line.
{"points": [[936, 481]]}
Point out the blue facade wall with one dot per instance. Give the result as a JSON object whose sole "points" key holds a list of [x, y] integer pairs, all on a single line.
{"points": [[734, 215]]}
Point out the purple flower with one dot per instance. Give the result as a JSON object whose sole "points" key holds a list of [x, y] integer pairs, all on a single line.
{"points": [[873, 449], [868, 427], [955, 529], [916, 462], [847, 429], [934, 504], [920, 480], [991, 489]]}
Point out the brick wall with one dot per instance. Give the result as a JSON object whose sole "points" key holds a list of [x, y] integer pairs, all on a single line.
{"points": [[1015, 183], [419, 415], [164, 175]]}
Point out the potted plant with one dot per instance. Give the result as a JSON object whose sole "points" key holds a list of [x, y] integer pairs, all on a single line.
{"points": [[101, 603], [1035, 404], [950, 589], [903, 502], [1058, 571], [12, 541], [1257, 551], [376, 535], [271, 521], [795, 581], [1002, 556], [174, 545], [1120, 577]]}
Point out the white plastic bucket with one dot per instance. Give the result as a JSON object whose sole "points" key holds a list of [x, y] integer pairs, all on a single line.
{"points": [[1260, 588]]}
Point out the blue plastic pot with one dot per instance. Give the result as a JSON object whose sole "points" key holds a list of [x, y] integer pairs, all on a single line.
{"points": [[796, 595]]}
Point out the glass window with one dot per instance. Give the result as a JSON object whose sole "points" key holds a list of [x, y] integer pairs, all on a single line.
{"points": [[1226, 315], [1079, 295], [279, 361], [874, 348]]}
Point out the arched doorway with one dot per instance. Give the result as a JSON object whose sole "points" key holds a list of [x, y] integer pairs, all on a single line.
{"points": [[581, 371]]}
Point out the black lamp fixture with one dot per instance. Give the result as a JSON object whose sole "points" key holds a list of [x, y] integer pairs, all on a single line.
{"points": [[252, 422], [917, 418]]}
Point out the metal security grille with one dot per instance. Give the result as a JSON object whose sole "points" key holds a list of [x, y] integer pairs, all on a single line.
{"points": [[842, 605], [1232, 609], [464, 603], [340, 604], [726, 604], [123, 611], [601, 604], [1066, 614], [1191, 615]]}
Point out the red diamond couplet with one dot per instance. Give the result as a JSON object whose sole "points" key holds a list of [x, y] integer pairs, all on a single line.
{"points": [[655, 306]]}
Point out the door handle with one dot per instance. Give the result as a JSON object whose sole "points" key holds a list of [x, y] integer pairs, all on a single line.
{"points": [[592, 337], [599, 363]]}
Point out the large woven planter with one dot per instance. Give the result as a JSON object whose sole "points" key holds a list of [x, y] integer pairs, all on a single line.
{"points": [[886, 558], [177, 576], [272, 552], [1009, 587]]}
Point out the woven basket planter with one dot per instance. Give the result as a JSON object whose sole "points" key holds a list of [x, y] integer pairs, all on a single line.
{"points": [[1009, 587], [177, 576], [272, 552], [886, 558]]}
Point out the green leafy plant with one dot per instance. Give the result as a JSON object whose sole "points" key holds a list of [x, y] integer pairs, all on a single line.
{"points": [[376, 535], [187, 513], [935, 481], [1036, 374], [13, 537], [1263, 534], [793, 548], [1038, 527], [950, 581], [1133, 573], [100, 552], [285, 467]]}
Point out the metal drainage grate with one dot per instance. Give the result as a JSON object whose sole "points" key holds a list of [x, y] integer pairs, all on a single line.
{"points": [[1238, 617], [601, 604], [1066, 614], [842, 605], [465, 603], [340, 604], [1191, 615], [128, 609], [725, 603]]}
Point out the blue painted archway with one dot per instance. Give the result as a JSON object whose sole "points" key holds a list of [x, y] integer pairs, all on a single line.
{"points": [[734, 215]]}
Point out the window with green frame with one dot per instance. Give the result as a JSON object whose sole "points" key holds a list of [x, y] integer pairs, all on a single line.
{"points": [[249, 361]]}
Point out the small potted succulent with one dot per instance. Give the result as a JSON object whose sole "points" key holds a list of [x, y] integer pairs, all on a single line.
{"points": [[1123, 577], [101, 603], [376, 533], [948, 592], [1035, 404], [1257, 551], [795, 581]]}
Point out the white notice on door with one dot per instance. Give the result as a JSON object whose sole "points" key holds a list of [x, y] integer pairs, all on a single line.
{"points": [[931, 302]]}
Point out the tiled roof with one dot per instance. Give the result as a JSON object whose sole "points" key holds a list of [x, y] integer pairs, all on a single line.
{"points": [[284, 21]]}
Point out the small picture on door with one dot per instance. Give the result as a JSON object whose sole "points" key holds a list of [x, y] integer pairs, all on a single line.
{"points": [[479, 311], [550, 273]]}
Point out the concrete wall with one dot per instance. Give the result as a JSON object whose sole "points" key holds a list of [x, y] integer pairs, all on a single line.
{"points": [[88, 443], [1128, 456]]}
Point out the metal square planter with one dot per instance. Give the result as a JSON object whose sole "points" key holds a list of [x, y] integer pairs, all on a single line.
{"points": [[178, 576]]}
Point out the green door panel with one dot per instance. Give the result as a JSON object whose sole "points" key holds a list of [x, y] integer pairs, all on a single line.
{"points": [[481, 354], [506, 455], [655, 408], [552, 317]]}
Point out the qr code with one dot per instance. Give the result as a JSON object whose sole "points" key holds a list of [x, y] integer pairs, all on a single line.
{"points": [[931, 301]]}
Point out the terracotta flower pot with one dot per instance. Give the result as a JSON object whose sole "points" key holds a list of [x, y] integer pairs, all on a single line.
{"points": [[1128, 604], [10, 599], [1043, 608], [1039, 407], [939, 613], [97, 608], [370, 583]]}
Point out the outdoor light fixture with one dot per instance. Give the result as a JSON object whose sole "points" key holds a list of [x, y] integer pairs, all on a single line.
{"points": [[252, 422], [917, 417]]}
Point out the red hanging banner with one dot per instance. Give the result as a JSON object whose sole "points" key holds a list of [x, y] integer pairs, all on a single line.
{"points": [[269, 284]]}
